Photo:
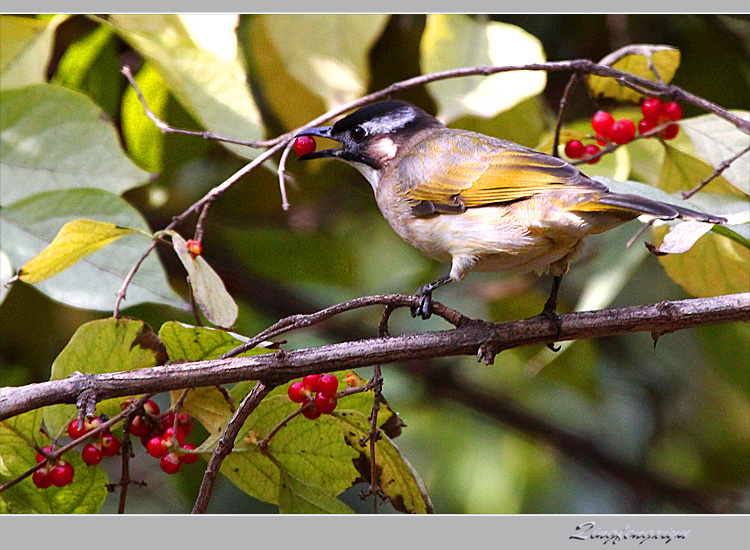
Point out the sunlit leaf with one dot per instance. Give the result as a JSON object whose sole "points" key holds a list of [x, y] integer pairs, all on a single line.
{"points": [[456, 41], [336, 48], [91, 65], [198, 59], [299, 497], [54, 138], [25, 49], [208, 289], [6, 272], [636, 59], [397, 478], [30, 225], [106, 345], [715, 265], [717, 140], [75, 240]]}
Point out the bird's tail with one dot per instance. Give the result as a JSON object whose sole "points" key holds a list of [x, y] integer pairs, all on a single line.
{"points": [[640, 205]]}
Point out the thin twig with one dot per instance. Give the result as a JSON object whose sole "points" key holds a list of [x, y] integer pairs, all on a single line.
{"points": [[226, 443], [129, 277], [198, 236], [716, 173], [125, 450], [561, 112]]}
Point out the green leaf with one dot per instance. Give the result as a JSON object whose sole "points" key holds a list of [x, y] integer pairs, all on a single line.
{"points": [[314, 452], [455, 41], [290, 99], [636, 59], [717, 140], [397, 478], [76, 239], [53, 138], [151, 148], [715, 265], [25, 49], [186, 343], [298, 497], [84, 496], [30, 225], [208, 289], [91, 66], [198, 59], [336, 47], [106, 345]]}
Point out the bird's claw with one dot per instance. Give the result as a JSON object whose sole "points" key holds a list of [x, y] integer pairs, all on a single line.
{"points": [[423, 308], [550, 312]]}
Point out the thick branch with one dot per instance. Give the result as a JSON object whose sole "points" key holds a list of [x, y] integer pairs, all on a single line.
{"points": [[467, 339]]}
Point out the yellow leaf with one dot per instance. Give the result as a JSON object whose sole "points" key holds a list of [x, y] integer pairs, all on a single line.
{"points": [[76, 239], [639, 60]]}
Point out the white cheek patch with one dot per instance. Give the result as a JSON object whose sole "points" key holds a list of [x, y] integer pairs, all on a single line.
{"points": [[372, 175], [385, 148]]}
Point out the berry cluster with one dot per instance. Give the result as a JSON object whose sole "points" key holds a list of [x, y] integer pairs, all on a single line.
{"points": [[304, 145], [161, 439], [105, 445], [656, 113], [321, 390], [609, 130], [58, 473]]}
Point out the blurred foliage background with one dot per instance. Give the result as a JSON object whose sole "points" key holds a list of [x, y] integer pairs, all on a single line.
{"points": [[486, 439]]}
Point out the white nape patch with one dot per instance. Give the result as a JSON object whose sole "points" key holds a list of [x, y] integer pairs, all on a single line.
{"points": [[393, 121]]}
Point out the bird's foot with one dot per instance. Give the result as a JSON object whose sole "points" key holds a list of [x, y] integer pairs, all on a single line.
{"points": [[550, 312], [423, 308]]}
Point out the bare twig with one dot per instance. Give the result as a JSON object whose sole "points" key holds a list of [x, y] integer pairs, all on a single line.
{"points": [[226, 443], [716, 173], [561, 112]]}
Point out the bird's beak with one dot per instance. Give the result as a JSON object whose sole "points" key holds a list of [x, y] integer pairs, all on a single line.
{"points": [[324, 132]]}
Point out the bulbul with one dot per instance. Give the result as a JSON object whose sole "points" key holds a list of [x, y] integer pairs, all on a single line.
{"points": [[478, 202]]}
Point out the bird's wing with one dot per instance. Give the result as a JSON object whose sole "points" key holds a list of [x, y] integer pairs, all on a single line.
{"points": [[470, 170]]}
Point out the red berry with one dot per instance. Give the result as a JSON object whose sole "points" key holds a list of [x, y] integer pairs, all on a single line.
{"points": [[574, 149], [602, 122], [646, 125], [41, 478], [311, 412], [297, 392], [74, 431], [167, 420], [40, 457], [62, 474], [672, 110], [304, 145], [92, 454], [110, 445], [151, 408], [622, 131], [325, 403], [670, 132], [194, 247], [170, 433], [592, 150], [140, 427], [170, 463], [651, 108], [184, 422], [188, 458], [311, 382], [328, 385], [144, 441], [156, 447]]}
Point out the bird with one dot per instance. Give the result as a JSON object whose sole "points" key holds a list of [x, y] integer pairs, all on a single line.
{"points": [[477, 202]]}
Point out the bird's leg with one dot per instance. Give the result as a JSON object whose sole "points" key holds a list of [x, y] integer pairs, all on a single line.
{"points": [[550, 310], [424, 307]]}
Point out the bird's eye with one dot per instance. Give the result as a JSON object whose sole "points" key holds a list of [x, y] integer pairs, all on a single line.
{"points": [[358, 133]]}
